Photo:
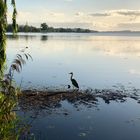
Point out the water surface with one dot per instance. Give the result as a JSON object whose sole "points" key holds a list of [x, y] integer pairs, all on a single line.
{"points": [[114, 121], [97, 60]]}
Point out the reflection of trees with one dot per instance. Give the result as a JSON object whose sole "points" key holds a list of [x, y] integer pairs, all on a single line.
{"points": [[44, 37]]}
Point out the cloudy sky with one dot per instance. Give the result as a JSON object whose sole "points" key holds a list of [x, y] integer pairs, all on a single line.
{"points": [[93, 14]]}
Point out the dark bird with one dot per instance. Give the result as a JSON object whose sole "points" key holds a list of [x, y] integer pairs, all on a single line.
{"points": [[68, 86], [74, 82]]}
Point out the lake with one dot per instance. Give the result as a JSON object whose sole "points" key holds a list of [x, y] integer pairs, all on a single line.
{"points": [[98, 61]]}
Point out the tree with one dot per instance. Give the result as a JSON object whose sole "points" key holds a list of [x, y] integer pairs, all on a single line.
{"points": [[3, 16], [26, 27], [44, 27], [3, 26]]}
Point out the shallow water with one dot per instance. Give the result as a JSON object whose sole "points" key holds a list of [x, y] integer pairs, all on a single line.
{"points": [[97, 60], [114, 121]]}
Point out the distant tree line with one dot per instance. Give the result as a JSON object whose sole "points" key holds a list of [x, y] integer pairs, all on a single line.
{"points": [[45, 28], [23, 28]]}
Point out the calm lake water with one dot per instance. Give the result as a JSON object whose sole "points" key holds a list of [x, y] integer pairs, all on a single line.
{"points": [[97, 61], [114, 121]]}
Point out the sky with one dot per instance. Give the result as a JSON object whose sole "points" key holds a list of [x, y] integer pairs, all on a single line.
{"points": [[101, 15]]}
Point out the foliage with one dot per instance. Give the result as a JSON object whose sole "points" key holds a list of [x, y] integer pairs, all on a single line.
{"points": [[14, 16], [44, 27], [3, 27], [10, 126], [3, 18]]}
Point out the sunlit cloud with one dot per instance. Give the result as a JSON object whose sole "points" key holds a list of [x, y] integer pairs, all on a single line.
{"points": [[123, 12], [128, 12], [100, 14]]}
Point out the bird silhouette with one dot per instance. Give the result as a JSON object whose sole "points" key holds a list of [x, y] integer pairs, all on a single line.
{"points": [[69, 86], [74, 82]]}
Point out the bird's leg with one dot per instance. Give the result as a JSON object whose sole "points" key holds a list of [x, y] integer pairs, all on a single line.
{"points": [[77, 89], [73, 88]]}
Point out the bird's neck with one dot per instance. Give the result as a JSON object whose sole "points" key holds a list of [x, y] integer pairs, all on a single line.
{"points": [[71, 76]]}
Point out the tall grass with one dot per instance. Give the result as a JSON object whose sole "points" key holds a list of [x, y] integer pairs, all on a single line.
{"points": [[10, 126]]}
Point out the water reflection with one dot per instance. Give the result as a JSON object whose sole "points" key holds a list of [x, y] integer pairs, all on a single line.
{"points": [[25, 37], [44, 37]]}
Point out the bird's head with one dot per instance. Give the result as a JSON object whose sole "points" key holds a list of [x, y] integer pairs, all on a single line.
{"points": [[71, 73]]}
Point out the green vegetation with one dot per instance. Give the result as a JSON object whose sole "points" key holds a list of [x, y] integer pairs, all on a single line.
{"points": [[11, 128], [45, 28], [3, 27]]}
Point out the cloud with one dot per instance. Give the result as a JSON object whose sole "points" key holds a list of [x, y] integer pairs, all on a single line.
{"points": [[120, 19], [128, 12], [57, 14], [80, 14], [100, 14], [122, 12]]}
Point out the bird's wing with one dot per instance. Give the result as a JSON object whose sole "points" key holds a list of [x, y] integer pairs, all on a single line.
{"points": [[74, 82]]}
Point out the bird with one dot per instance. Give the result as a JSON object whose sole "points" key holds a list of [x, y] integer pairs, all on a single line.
{"points": [[74, 82], [23, 50], [69, 86]]}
